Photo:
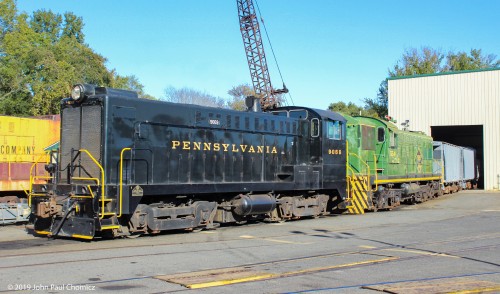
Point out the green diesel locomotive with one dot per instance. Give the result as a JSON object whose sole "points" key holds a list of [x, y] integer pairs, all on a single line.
{"points": [[386, 165]]}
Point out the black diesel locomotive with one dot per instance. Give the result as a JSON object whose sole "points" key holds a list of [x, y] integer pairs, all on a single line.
{"points": [[132, 166]]}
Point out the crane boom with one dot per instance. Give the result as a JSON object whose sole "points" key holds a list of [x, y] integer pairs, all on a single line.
{"points": [[252, 40]]}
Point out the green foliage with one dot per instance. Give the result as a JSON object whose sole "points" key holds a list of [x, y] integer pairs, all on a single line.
{"points": [[378, 105], [352, 109], [127, 83], [7, 15], [73, 27], [429, 61], [414, 62], [42, 56], [476, 60]]}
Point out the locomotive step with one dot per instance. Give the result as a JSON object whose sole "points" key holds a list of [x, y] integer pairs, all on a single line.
{"points": [[110, 227], [108, 214]]}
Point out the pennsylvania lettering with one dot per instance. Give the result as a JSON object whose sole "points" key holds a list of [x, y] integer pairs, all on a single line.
{"points": [[209, 146]]}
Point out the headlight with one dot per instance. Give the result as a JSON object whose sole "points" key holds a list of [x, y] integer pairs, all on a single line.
{"points": [[81, 91], [77, 93]]}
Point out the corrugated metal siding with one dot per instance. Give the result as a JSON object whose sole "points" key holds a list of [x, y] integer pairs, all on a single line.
{"points": [[471, 98]]}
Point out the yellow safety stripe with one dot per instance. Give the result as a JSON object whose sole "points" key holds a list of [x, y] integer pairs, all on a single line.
{"points": [[358, 195], [82, 237], [407, 180]]}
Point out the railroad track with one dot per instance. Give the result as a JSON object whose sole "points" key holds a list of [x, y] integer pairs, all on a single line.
{"points": [[224, 242], [40, 244], [248, 273], [381, 254]]}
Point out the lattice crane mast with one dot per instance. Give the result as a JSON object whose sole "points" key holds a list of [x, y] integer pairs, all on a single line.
{"points": [[250, 31]]}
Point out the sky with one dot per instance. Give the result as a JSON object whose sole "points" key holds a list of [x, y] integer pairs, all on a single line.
{"points": [[327, 50]]}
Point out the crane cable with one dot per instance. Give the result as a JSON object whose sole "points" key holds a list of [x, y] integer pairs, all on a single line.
{"points": [[272, 50]]}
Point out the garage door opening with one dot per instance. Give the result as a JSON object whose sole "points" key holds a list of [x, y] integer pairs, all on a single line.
{"points": [[467, 136]]}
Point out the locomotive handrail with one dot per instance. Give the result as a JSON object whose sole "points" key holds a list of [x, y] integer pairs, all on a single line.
{"points": [[362, 161], [32, 179], [348, 178], [31, 194], [346, 156], [87, 179], [88, 186], [376, 173], [103, 193], [121, 177]]}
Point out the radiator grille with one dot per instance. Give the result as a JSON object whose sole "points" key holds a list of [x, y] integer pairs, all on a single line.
{"points": [[81, 129], [70, 137], [91, 138]]}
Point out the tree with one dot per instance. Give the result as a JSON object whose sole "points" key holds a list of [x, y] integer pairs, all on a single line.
{"points": [[414, 62], [429, 61], [73, 27], [46, 22], [351, 109], [476, 60], [191, 96], [8, 13], [380, 104], [238, 95], [42, 56]]}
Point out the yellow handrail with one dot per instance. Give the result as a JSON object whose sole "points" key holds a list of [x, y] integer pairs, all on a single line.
{"points": [[367, 167], [348, 168], [121, 178], [348, 178], [376, 171], [87, 179], [103, 193], [346, 156], [90, 190], [32, 178]]}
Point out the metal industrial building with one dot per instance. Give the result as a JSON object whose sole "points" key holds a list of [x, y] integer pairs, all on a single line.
{"points": [[462, 108]]}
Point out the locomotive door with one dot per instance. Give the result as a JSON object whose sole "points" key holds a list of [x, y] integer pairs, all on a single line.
{"points": [[334, 153]]}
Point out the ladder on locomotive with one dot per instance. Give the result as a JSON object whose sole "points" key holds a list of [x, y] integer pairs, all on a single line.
{"points": [[358, 187], [109, 207]]}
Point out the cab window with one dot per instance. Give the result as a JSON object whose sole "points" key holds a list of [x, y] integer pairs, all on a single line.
{"points": [[280, 113], [334, 129], [394, 140], [381, 134], [300, 114], [314, 127], [368, 137]]}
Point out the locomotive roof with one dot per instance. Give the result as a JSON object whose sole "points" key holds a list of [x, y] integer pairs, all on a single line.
{"points": [[319, 112], [366, 120], [359, 119]]}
